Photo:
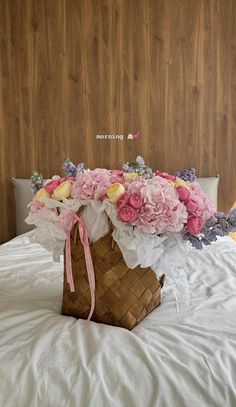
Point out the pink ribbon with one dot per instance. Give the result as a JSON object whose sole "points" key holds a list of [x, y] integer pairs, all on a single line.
{"points": [[67, 221]]}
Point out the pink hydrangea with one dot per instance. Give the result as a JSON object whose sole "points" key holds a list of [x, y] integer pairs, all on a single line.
{"points": [[135, 186], [163, 211], [87, 184], [160, 209], [203, 208]]}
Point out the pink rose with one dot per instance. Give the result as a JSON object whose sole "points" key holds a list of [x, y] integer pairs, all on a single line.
{"points": [[194, 225], [127, 214], [117, 172], [69, 179], [136, 200], [117, 176], [165, 175], [191, 206], [183, 193], [52, 185], [123, 200]]}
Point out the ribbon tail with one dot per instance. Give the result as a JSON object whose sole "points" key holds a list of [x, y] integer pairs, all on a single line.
{"points": [[89, 266], [69, 273], [91, 279]]}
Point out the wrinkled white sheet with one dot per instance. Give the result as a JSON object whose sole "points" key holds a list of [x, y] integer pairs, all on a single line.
{"points": [[50, 360]]}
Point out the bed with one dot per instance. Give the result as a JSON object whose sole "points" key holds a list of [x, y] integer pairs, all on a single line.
{"points": [[47, 359]]}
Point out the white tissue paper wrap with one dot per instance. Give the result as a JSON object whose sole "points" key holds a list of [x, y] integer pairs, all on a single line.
{"points": [[96, 222], [172, 263], [166, 254], [48, 233]]}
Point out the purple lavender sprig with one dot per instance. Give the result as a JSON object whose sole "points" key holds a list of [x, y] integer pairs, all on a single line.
{"points": [[130, 166], [194, 240], [138, 166], [187, 174], [219, 225], [232, 219], [127, 167], [79, 168], [36, 182], [72, 170], [69, 168]]}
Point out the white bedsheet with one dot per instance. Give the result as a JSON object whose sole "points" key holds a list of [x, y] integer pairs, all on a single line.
{"points": [[47, 359]]}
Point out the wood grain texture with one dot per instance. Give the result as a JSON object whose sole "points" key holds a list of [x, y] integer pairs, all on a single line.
{"points": [[72, 69]]}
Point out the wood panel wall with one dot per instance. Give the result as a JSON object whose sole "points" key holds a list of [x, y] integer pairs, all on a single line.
{"points": [[71, 69]]}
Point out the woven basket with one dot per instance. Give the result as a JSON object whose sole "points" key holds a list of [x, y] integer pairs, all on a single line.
{"points": [[123, 296]]}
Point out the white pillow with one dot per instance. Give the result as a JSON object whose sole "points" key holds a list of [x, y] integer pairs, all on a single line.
{"points": [[23, 195], [209, 185]]}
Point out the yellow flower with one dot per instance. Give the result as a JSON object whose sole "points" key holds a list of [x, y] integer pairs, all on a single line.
{"points": [[130, 176], [181, 183], [41, 194], [62, 191], [115, 191], [172, 183]]}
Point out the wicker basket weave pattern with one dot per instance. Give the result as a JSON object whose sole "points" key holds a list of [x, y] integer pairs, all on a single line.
{"points": [[123, 296]]}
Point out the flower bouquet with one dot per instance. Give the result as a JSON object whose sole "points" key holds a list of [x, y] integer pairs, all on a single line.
{"points": [[121, 231]]}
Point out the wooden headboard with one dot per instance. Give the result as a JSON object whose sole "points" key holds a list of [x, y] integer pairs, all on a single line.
{"points": [[72, 69]]}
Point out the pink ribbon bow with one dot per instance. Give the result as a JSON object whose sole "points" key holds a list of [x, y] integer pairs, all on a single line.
{"points": [[66, 222]]}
